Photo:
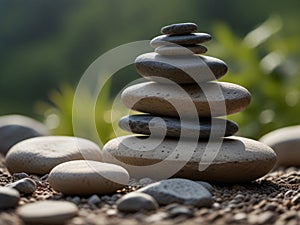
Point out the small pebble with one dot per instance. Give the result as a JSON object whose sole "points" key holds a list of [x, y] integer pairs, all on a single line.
{"points": [[180, 191], [25, 186], [9, 197], [181, 211], [40, 155], [135, 202], [94, 200]]}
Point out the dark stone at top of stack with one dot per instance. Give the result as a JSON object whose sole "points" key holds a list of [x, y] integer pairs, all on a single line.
{"points": [[179, 28], [186, 39]]}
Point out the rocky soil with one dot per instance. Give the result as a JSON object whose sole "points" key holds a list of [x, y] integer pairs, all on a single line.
{"points": [[273, 199]]}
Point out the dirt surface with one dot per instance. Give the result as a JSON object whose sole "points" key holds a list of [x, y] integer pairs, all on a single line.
{"points": [[273, 199]]}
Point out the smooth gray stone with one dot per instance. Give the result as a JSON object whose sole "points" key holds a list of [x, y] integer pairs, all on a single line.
{"points": [[47, 212], [180, 191], [180, 69], [8, 197], [25, 185], [186, 39], [141, 124], [180, 50], [181, 211], [179, 28], [135, 202], [15, 128]]}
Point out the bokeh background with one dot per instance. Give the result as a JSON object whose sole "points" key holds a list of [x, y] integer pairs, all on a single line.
{"points": [[45, 47]]}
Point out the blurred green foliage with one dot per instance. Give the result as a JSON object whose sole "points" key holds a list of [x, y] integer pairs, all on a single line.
{"points": [[45, 44]]}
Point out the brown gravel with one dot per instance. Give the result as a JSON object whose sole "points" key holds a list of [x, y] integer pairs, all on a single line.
{"points": [[273, 199]]}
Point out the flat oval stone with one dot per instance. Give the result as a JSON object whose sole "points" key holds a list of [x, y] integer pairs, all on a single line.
{"points": [[285, 142], [47, 212], [180, 50], [173, 127], [237, 160], [9, 198], [85, 177], [185, 39], [179, 28], [180, 69], [16, 128], [41, 154], [157, 98]]}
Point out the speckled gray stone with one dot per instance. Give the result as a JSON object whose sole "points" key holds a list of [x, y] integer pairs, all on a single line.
{"points": [[212, 99], [237, 159], [41, 154], [8, 198], [15, 128], [25, 185], [174, 127], [180, 191], [179, 28], [185, 39], [180, 69], [47, 212], [135, 202], [180, 50]]}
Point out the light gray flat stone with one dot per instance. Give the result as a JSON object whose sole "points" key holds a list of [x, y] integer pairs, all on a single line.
{"points": [[47, 212], [41, 154], [227, 160], [86, 177]]}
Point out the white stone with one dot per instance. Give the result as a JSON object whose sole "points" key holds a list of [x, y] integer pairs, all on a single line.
{"points": [[47, 212], [84, 177]]}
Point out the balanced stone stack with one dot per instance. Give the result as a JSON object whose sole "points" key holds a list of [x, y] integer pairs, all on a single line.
{"points": [[182, 136]]}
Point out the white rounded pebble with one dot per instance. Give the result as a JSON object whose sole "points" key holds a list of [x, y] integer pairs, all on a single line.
{"points": [[83, 177]]}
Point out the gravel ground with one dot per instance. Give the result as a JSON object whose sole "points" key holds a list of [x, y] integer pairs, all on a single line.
{"points": [[273, 199]]}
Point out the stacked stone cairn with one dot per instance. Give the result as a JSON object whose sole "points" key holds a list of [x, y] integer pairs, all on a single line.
{"points": [[182, 134]]}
